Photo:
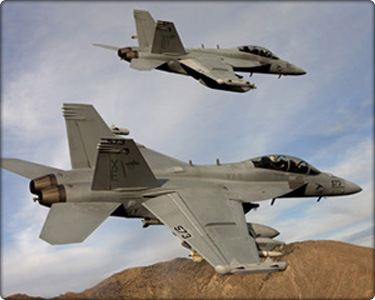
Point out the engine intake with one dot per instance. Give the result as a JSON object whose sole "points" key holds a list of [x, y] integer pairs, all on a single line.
{"points": [[52, 195], [42, 183]]}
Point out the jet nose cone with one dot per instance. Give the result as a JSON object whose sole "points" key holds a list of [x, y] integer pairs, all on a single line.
{"points": [[299, 71], [351, 188], [292, 69]]}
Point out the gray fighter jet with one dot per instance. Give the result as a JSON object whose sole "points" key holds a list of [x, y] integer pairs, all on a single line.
{"points": [[160, 48], [203, 205]]}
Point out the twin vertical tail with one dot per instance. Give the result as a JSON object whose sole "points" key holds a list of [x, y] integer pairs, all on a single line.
{"points": [[160, 37], [118, 163], [84, 127], [167, 40], [145, 26]]}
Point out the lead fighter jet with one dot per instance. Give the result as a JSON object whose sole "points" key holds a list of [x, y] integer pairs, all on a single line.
{"points": [[160, 48], [203, 205]]}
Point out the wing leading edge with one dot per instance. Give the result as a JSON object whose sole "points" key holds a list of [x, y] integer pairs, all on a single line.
{"points": [[213, 225]]}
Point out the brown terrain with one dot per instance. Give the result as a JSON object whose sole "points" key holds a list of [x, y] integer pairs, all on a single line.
{"points": [[316, 270]]}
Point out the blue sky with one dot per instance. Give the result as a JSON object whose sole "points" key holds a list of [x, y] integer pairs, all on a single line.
{"points": [[324, 117]]}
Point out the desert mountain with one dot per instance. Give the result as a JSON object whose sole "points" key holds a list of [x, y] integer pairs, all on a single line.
{"points": [[316, 270]]}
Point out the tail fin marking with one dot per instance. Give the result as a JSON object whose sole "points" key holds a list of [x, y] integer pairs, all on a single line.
{"points": [[166, 39], [120, 164]]}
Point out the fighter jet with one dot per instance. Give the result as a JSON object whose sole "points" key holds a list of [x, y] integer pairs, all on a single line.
{"points": [[203, 205], [160, 48]]}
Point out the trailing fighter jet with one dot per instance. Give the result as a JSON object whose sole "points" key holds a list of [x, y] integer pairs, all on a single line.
{"points": [[203, 205], [160, 48]]}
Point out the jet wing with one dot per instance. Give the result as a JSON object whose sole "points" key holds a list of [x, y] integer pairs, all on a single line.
{"points": [[213, 225], [216, 70]]}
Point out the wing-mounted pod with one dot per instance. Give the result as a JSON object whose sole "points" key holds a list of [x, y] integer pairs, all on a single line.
{"points": [[266, 267], [258, 230], [264, 238], [237, 83], [119, 131]]}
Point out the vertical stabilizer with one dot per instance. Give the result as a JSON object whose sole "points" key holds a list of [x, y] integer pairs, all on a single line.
{"points": [[84, 127], [145, 26], [120, 164], [167, 40]]}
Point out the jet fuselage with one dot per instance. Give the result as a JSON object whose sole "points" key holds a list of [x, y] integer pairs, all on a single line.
{"points": [[240, 61], [238, 180]]}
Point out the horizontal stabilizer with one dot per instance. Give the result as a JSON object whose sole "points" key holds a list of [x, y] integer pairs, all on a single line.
{"points": [[27, 169], [144, 64], [166, 39], [109, 47], [73, 222]]}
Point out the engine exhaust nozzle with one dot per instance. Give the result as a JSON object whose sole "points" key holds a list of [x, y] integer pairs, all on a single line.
{"points": [[41, 183]]}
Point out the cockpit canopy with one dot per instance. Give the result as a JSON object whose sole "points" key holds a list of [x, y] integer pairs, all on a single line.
{"points": [[284, 163], [258, 50]]}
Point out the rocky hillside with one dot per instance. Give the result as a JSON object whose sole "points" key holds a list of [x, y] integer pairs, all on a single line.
{"points": [[316, 270]]}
